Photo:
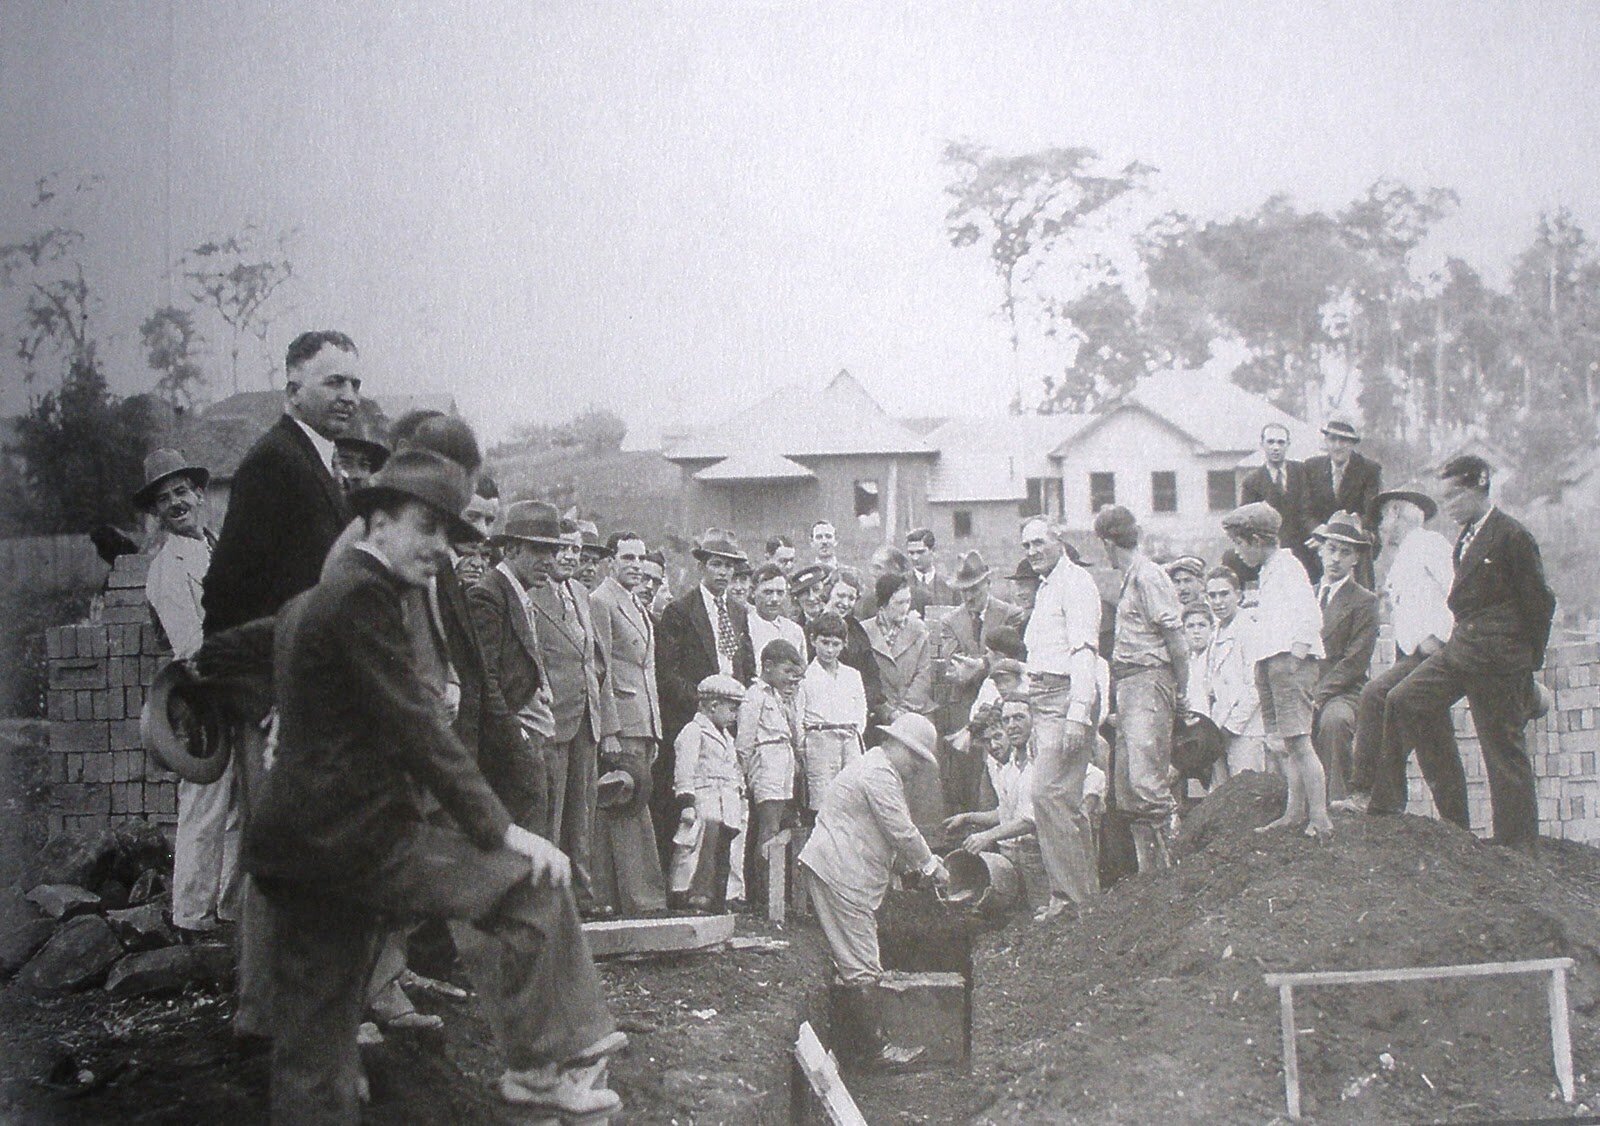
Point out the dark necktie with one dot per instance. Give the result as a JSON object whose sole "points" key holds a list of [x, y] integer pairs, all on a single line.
{"points": [[1327, 596], [726, 645]]}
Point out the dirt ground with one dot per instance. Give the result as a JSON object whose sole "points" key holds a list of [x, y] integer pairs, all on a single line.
{"points": [[1152, 1007]]}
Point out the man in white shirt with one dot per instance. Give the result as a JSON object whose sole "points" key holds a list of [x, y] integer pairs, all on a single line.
{"points": [[825, 544], [1061, 638], [769, 598], [206, 848], [1415, 589]]}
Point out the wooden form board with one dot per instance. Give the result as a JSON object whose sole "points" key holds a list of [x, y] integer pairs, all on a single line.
{"points": [[610, 937], [822, 1075], [1556, 992]]}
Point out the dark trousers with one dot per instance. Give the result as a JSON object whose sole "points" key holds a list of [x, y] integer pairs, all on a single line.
{"points": [[573, 768], [252, 1014], [1333, 732], [1372, 726], [1419, 708], [710, 879], [523, 946], [765, 823]]}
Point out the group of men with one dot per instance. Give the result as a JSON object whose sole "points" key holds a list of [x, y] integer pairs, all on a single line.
{"points": [[488, 716]]}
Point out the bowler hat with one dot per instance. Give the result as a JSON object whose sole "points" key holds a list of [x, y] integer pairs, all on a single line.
{"points": [[718, 544], [532, 521], [1341, 428], [970, 572], [808, 576], [1342, 527], [419, 474], [162, 464], [181, 728], [1429, 506], [915, 733]]}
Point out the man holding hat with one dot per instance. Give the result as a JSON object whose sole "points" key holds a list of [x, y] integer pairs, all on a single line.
{"points": [[960, 656], [701, 633], [1416, 590], [1349, 635], [1341, 480], [340, 847], [205, 852], [863, 835], [1503, 608]]}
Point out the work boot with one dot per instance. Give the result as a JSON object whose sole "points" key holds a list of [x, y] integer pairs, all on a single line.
{"points": [[573, 1093], [1150, 846]]}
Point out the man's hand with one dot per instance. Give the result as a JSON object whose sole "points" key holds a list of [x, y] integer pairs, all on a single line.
{"points": [[1429, 645], [1080, 736], [951, 824], [940, 874], [979, 842], [1301, 650], [550, 865]]}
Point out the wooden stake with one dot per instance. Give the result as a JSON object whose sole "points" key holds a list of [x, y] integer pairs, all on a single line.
{"points": [[1560, 1032], [1291, 1049], [777, 875], [822, 1074]]}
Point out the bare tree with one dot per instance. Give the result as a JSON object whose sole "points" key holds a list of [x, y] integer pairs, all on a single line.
{"points": [[237, 278]]}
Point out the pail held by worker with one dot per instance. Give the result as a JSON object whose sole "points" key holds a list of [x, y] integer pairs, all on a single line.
{"points": [[986, 882]]}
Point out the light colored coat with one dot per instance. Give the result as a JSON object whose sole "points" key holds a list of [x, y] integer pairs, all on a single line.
{"points": [[905, 668], [174, 587], [769, 742], [627, 637], [707, 766], [574, 672], [864, 832]]}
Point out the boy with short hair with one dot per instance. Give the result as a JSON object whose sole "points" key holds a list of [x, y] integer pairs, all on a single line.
{"points": [[1284, 644], [710, 790], [835, 716], [769, 744]]}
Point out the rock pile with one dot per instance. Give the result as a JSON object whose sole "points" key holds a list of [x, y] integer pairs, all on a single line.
{"points": [[93, 909]]}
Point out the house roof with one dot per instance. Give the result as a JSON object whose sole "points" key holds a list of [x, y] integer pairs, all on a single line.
{"points": [[837, 420], [991, 458], [1215, 413], [755, 465]]}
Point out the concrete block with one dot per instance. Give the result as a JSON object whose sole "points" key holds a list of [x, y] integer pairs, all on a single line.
{"points": [[610, 937], [148, 667], [118, 617], [96, 636], [124, 735], [164, 800], [72, 674], [927, 1010], [133, 703]]}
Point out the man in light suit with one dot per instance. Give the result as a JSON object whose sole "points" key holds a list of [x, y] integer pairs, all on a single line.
{"points": [[1282, 484], [625, 867], [1341, 480], [1349, 635], [1503, 608]]}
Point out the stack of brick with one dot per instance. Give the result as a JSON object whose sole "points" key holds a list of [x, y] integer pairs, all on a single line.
{"points": [[99, 671]]}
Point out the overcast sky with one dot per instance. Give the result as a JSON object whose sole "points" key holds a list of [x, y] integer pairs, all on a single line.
{"points": [[665, 208]]}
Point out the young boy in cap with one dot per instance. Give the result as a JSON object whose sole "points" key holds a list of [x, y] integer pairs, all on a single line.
{"points": [[835, 716], [769, 743], [710, 789], [1284, 644]]}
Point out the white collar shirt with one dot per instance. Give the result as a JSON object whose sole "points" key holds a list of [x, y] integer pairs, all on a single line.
{"points": [[173, 588], [1287, 613], [1417, 590], [1327, 590], [763, 632], [1063, 632], [325, 448]]}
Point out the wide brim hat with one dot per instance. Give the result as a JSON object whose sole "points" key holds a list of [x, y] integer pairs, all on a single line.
{"points": [[1429, 506], [1024, 573], [915, 733], [1197, 744], [1341, 428], [1342, 527], [615, 788], [532, 521], [971, 571], [161, 466], [717, 544], [421, 475], [593, 546], [180, 728]]}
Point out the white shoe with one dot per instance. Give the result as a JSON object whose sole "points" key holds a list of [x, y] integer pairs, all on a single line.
{"points": [[571, 1092]]}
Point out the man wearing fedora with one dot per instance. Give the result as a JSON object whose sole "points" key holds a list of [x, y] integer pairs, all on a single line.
{"points": [[1502, 608], [701, 634], [1349, 635], [625, 864], [864, 834], [205, 852], [1416, 590], [359, 452], [1340, 480]]}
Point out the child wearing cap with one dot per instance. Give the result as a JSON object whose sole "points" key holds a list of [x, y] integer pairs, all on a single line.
{"points": [[1285, 645], [768, 743], [710, 792], [835, 716]]}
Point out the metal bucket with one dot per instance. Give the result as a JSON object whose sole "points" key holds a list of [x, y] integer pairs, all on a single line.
{"points": [[986, 882]]}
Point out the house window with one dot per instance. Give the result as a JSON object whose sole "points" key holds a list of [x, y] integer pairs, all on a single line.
{"points": [[1163, 491], [1222, 490], [1033, 504], [1102, 490], [868, 500], [961, 523]]}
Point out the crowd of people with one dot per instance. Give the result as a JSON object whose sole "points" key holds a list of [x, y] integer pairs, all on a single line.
{"points": [[497, 718]]}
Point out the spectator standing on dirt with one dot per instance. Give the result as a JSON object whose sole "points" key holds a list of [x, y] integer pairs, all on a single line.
{"points": [[1284, 644], [205, 851], [1232, 702], [1188, 575], [769, 744], [1060, 639], [711, 792], [864, 834], [1417, 591], [780, 550], [473, 560], [1503, 609], [1349, 635], [1280, 482], [1198, 624], [1341, 480], [1150, 678]]}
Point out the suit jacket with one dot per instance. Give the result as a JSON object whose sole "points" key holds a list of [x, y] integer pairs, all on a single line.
{"points": [[958, 635], [511, 675], [627, 637], [284, 512], [864, 832], [905, 667], [1349, 634], [356, 736], [686, 653], [937, 593], [569, 658], [1358, 489], [1502, 604], [1291, 503]]}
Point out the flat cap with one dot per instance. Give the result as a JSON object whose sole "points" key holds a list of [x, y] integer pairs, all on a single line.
{"points": [[719, 687], [1259, 518]]}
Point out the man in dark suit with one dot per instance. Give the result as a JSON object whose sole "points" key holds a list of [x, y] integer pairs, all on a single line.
{"points": [[1282, 484], [627, 861], [1341, 480], [1503, 609], [701, 634], [928, 587], [517, 721], [340, 845], [1349, 635]]}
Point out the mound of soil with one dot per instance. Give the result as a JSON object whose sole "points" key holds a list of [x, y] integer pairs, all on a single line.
{"points": [[1153, 1007]]}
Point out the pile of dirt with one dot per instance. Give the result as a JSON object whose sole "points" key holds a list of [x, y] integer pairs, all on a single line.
{"points": [[1153, 1005]]}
